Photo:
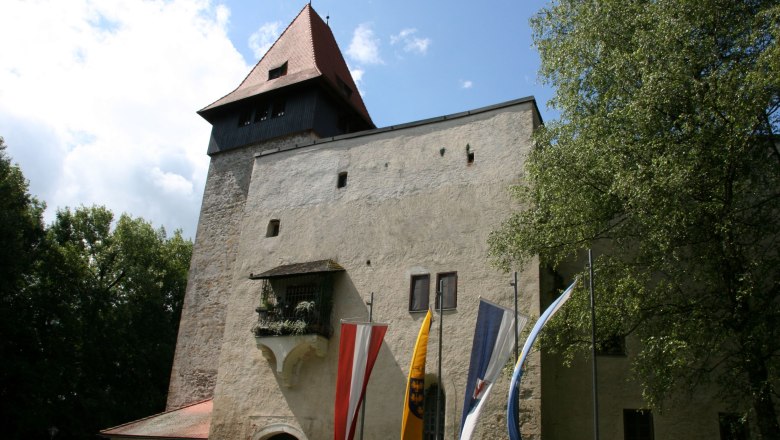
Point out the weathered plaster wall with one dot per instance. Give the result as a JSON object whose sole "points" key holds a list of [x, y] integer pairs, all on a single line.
{"points": [[567, 409], [407, 209], [194, 371]]}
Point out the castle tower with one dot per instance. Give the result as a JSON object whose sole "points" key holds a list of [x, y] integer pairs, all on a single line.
{"points": [[301, 85], [300, 91]]}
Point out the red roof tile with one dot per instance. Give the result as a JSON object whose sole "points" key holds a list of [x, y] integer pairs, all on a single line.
{"points": [[188, 422], [310, 51]]}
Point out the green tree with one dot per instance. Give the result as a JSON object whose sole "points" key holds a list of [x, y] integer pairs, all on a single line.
{"points": [[124, 289], [89, 314], [665, 156], [21, 236]]}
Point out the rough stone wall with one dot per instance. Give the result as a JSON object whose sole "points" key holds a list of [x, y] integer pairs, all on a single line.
{"points": [[194, 371], [408, 208]]}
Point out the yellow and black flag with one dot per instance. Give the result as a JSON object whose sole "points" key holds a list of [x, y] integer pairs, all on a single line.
{"points": [[412, 427]]}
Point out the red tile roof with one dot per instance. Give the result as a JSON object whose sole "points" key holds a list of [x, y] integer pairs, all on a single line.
{"points": [[310, 51], [188, 422]]}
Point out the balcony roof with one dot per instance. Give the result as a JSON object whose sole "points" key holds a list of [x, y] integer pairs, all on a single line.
{"points": [[289, 270]]}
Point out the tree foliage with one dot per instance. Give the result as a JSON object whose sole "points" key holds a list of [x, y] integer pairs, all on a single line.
{"points": [[666, 157], [89, 325]]}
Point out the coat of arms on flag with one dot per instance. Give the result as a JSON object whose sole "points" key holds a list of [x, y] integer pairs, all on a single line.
{"points": [[414, 403], [493, 342]]}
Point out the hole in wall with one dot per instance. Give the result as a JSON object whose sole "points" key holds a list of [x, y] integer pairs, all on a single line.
{"points": [[342, 180], [273, 228]]}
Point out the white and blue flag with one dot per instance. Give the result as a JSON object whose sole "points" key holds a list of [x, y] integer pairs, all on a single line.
{"points": [[514, 387], [494, 340]]}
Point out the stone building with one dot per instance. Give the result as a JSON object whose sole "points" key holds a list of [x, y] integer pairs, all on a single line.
{"points": [[309, 209]]}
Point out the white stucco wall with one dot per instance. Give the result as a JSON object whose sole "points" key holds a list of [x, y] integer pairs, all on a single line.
{"points": [[407, 209]]}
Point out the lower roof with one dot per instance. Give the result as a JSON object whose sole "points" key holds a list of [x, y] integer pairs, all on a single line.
{"points": [[188, 422]]}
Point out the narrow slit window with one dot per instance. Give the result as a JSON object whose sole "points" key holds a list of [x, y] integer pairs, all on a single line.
{"points": [[273, 228], [342, 180]]}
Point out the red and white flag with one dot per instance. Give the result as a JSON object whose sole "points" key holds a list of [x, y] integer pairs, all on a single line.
{"points": [[358, 349]]}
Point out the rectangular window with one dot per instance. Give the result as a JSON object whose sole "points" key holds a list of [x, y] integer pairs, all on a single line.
{"points": [[637, 424], [278, 109], [273, 228], [261, 112], [614, 345], [277, 72], [342, 180], [448, 283], [733, 427], [418, 293], [245, 118]]}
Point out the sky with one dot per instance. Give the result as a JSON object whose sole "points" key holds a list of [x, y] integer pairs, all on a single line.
{"points": [[98, 98]]}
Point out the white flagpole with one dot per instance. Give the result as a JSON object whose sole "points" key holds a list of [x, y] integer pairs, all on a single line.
{"points": [[517, 338], [363, 407]]}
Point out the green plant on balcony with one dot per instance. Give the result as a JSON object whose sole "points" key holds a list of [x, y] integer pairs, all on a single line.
{"points": [[271, 324]]}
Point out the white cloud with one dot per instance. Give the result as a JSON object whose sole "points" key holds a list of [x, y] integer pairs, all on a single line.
{"points": [[466, 84], [357, 75], [364, 47], [410, 42], [98, 100], [262, 39]]}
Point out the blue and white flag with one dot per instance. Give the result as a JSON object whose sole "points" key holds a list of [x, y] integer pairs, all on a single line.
{"points": [[494, 340], [514, 387]]}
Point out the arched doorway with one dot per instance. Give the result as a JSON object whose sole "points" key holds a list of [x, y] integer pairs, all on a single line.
{"points": [[283, 436]]}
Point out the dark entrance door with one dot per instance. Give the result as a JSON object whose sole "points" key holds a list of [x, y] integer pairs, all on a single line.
{"points": [[284, 436]]}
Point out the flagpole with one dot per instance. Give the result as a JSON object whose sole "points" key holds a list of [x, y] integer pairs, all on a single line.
{"points": [[517, 330], [440, 296], [370, 304], [593, 347], [517, 339]]}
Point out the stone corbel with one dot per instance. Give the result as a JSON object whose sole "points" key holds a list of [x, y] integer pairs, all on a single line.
{"points": [[289, 352]]}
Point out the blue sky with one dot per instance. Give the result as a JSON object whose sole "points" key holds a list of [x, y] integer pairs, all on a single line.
{"points": [[468, 54], [98, 98]]}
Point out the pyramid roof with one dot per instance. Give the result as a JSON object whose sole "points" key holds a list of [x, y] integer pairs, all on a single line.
{"points": [[310, 51]]}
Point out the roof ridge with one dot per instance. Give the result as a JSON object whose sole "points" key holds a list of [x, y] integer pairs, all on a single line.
{"points": [[262, 58], [311, 37]]}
